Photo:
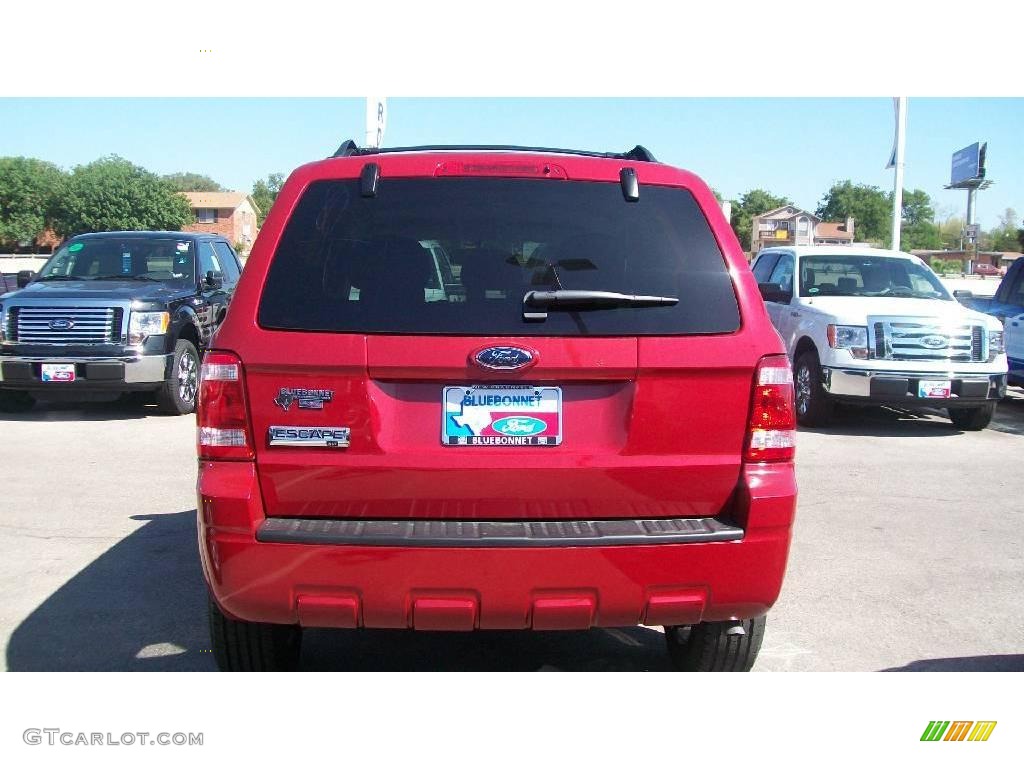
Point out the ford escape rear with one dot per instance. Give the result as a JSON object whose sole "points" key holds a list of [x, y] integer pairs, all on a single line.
{"points": [[495, 388]]}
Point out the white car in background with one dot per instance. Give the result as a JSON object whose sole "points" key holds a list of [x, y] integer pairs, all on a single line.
{"points": [[865, 325]]}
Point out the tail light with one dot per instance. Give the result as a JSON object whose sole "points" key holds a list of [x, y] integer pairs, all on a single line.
{"points": [[221, 416], [772, 431]]}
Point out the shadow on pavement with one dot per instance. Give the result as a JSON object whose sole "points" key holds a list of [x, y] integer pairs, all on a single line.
{"points": [[83, 407], [1009, 416], [885, 421], [141, 605], [1007, 663], [632, 649]]}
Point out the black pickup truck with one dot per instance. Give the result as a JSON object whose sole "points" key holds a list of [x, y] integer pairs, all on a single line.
{"points": [[116, 312]]}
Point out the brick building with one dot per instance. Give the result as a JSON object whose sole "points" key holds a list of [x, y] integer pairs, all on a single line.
{"points": [[231, 214]]}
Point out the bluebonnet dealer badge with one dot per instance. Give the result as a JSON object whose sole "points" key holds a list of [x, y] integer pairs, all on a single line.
{"points": [[311, 399]]}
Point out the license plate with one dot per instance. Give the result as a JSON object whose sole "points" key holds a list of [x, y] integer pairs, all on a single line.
{"points": [[938, 389], [58, 372], [504, 416]]}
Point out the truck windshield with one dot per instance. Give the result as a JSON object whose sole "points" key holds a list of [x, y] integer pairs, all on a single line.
{"points": [[129, 258], [869, 276]]}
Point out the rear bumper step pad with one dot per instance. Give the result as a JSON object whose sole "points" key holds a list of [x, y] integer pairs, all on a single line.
{"points": [[468, 533]]}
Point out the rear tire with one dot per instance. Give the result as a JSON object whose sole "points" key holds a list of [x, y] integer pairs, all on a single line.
{"points": [[15, 401], [813, 408], [246, 646], [717, 646], [178, 394], [972, 419]]}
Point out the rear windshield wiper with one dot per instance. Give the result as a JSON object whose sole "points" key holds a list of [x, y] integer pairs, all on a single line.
{"points": [[537, 303]]}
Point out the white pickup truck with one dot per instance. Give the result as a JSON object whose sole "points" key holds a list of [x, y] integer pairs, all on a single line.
{"points": [[865, 325]]}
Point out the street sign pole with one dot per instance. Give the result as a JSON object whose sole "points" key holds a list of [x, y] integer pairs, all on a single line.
{"points": [[897, 190]]}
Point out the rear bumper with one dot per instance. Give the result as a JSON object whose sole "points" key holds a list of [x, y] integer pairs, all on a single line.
{"points": [[466, 587], [901, 387], [91, 373]]}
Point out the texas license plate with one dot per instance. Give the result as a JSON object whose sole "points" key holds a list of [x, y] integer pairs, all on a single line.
{"points": [[938, 389], [505, 416], [58, 372]]}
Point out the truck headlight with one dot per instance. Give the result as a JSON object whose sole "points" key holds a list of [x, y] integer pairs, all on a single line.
{"points": [[145, 324], [851, 337], [995, 343]]}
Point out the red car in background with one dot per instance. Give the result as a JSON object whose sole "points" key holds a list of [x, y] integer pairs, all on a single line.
{"points": [[988, 270], [495, 388]]}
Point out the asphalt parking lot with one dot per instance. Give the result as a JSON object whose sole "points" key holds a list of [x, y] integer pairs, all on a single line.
{"points": [[907, 555]]}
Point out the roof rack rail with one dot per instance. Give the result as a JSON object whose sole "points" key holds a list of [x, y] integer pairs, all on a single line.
{"points": [[638, 153]]}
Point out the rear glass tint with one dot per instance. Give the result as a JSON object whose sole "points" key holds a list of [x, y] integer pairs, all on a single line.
{"points": [[457, 255]]}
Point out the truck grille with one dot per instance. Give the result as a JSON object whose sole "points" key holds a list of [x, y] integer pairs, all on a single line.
{"points": [[65, 325], [927, 340]]}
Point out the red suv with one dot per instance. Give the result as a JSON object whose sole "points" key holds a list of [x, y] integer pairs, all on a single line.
{"points": [[469, 388]]}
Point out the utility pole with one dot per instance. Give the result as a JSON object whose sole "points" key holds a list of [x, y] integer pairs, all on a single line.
{"points": [[897, 163]]}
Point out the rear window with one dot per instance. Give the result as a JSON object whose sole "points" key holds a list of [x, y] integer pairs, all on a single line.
{"points": [[456, 256]]}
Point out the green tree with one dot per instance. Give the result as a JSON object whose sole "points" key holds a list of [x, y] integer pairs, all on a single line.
{"points": [[29, 193], [868, 205], [112, 193], [951, 232], [918, 230], [1004, 237], [752, 203], [917, 207], [924, 235], [186, 181], [264, 193]]}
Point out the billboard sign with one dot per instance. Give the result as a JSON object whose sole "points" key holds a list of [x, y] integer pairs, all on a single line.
{"points": [[968, 164]]}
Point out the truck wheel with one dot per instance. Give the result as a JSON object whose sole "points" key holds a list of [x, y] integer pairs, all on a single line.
{"points": [[178, 394], [972, 419], [15, 401], [716, 646], [245, 646], [813, 408]]}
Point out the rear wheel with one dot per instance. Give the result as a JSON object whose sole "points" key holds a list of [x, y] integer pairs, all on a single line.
{"points": [[813, 408], [972, 419], [246, 646], [716, 646], [178, 394], [15, 401]]}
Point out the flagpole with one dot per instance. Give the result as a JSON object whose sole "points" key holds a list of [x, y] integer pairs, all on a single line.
{"points": [[897, 190]]}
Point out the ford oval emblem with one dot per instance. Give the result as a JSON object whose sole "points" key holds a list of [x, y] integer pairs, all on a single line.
{"points": [[504, 358], [934, 341], [519, 425], [61, 324]]}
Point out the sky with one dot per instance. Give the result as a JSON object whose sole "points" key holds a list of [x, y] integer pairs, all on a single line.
{"points": [[797, 147]]}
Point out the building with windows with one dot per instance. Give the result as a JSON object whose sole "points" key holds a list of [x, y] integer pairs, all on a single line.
{"points": [[789, 225], [232, 215]]}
